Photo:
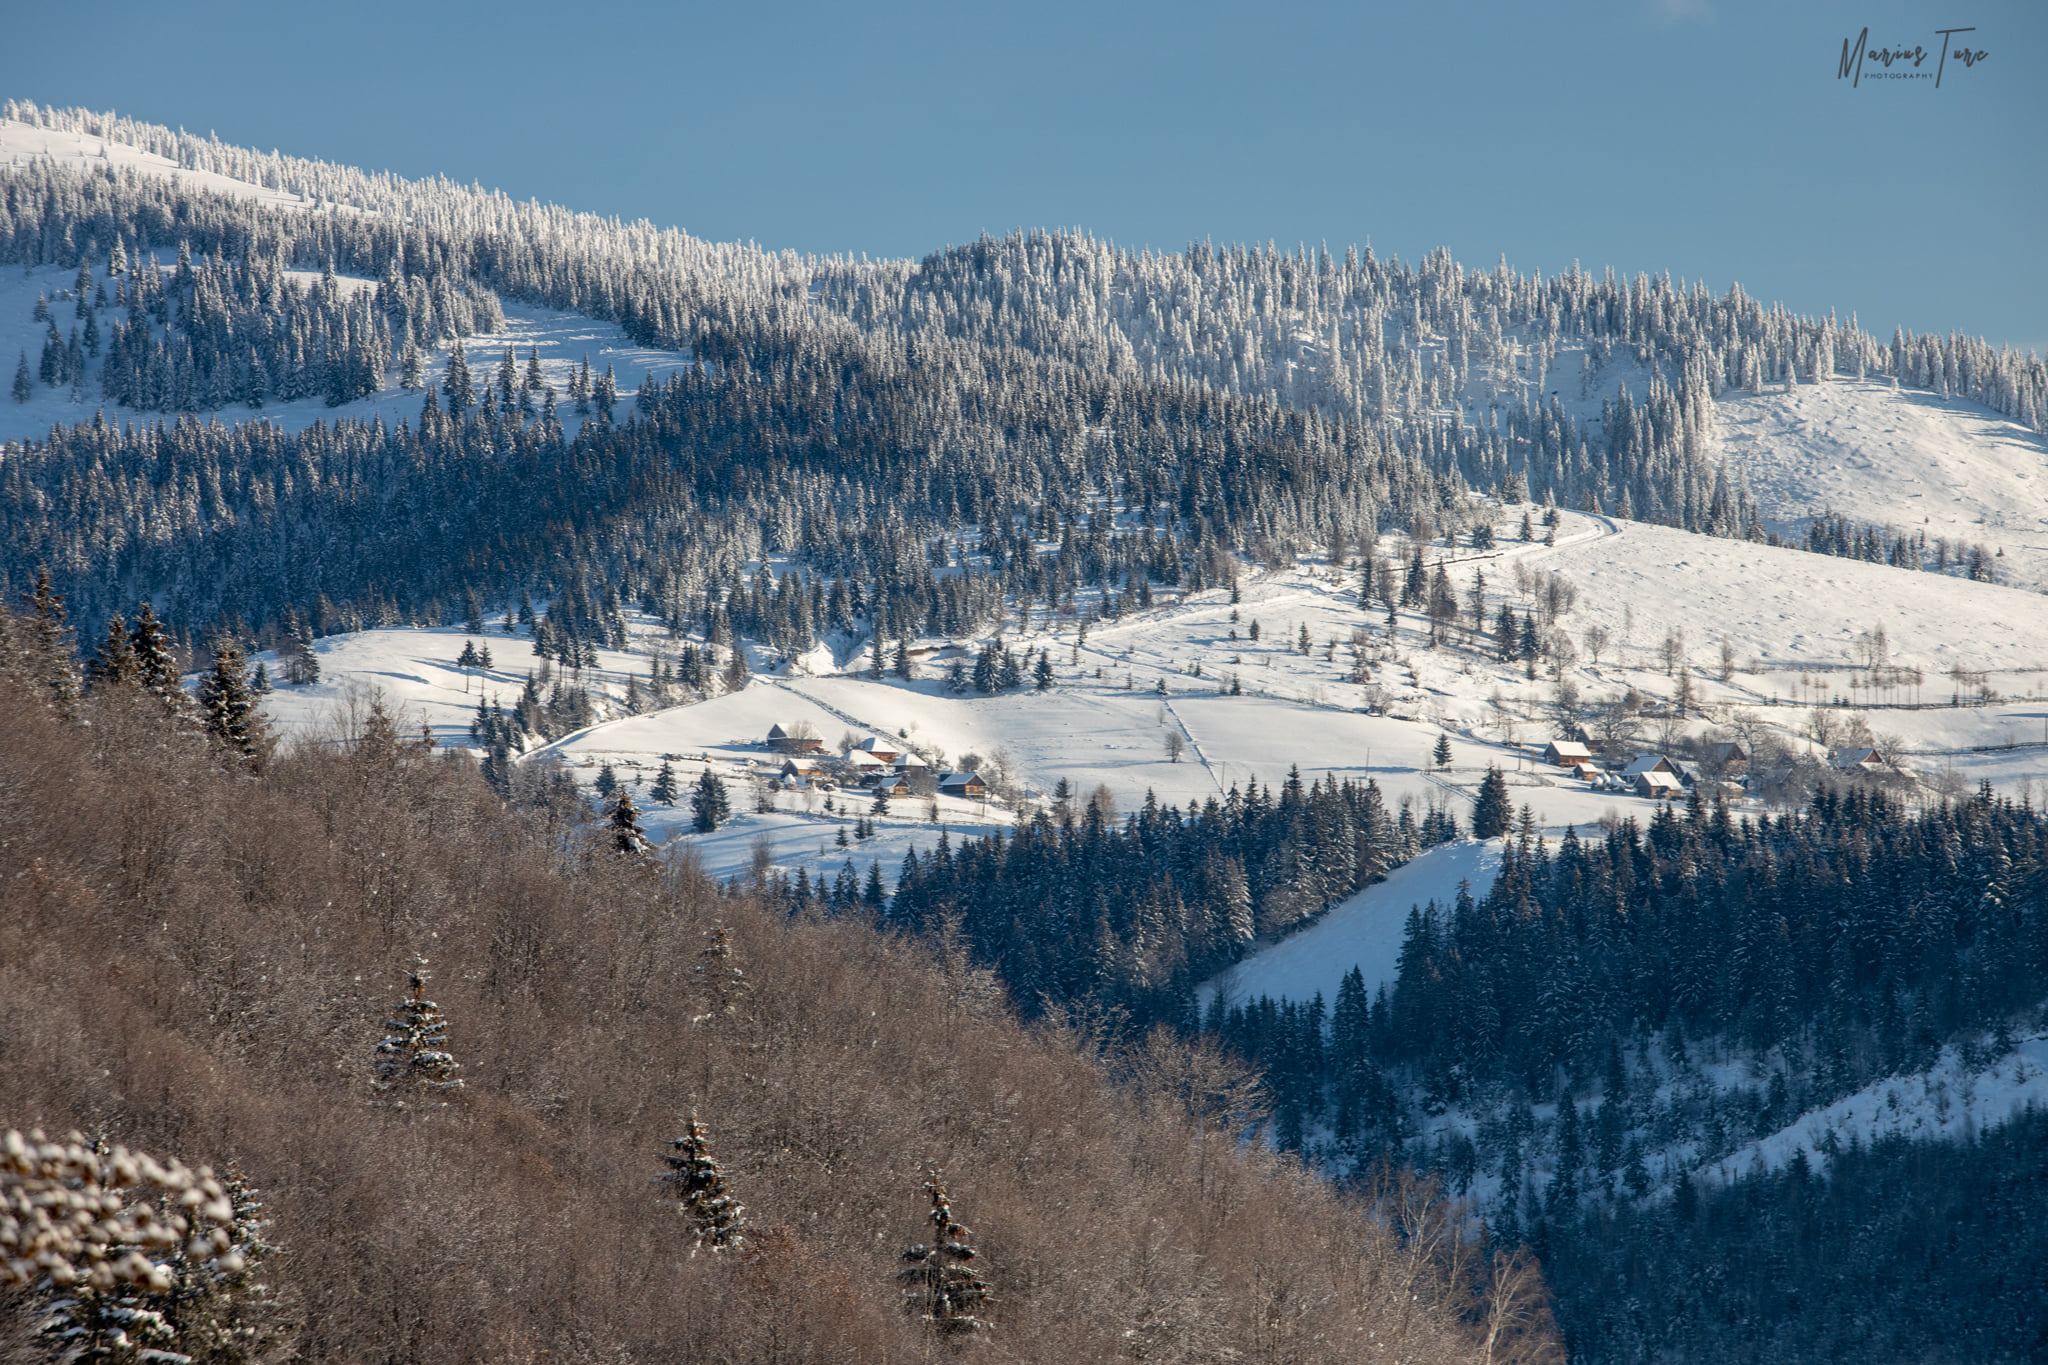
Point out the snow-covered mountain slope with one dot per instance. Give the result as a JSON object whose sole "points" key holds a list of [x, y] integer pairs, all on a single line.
{"points": [[1956, 1097], [21, 143], [562, 341], [1794, 621], [1365, 931], [1905, 458]]}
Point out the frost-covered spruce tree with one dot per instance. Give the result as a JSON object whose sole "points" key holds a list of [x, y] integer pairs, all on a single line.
{"points": [[718, 978], [626, 835], [664, 789], [113, 663], [227, 703], [414, 1057], [717, 1220], [940, 1283], [1493, 809], [156, 671], [709, 803], [52, 660]]}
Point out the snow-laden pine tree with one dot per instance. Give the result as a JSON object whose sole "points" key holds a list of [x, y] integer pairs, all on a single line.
{"points": [[51, 659], [413, 1059], [113, 663], [940, 1282], [227, 704], [156, 671], [709, 803], [1493, 809], [295, 652], [664, 789], [221, 1309], [718, 978], [627, 838], [717, 1220]]}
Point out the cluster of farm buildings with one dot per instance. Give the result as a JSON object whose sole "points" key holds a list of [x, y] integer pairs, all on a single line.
{"points": [[875, 764], [1661, 778]]}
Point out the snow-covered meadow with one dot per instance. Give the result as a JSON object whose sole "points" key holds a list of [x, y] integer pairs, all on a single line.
{"points": [[1792, 618]]}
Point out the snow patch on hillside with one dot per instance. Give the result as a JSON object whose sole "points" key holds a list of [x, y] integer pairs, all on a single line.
{"points": [[561, 339], [1957, 1097], [1365, 931], [1895, 457], [22, 143]]}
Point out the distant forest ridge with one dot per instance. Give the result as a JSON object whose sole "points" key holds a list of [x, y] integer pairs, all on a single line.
{"points": [[1155, 417]]}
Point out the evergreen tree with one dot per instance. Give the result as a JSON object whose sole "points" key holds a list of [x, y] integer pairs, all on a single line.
{"points": [[53, 658], [457, 384], [413, 1058], [221, 1306], [664, 789], [1493, 810], [142, 1260], [904, 668], [942, 1285], [717, 1220], [1042, 671], [227, 704], [627, 837], [113, 664], [735, 675], [607, 779], [156, 672], [709, 804], [24, 381], [1441, 754]]}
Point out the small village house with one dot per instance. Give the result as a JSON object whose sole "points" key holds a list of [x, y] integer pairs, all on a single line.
{"points": [[792, 740], [1566, 753], [963, 784]]}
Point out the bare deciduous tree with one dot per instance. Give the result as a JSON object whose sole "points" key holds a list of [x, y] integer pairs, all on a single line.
{"points": [[1596, 640]]}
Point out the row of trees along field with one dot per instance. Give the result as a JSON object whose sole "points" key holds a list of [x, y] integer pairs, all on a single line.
{"points": [[198, 959]]}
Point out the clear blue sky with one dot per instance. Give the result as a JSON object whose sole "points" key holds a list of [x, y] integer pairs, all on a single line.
{"points": [[1709, 138]]}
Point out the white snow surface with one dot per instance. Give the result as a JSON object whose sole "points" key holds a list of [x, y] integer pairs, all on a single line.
{"points": [[1951, 1099], [21, 143], [1365, 931], [1788, 614], [1903, 458]]}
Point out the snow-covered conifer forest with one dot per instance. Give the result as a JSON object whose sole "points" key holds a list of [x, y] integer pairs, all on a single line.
{"points": [[1543, 772]]}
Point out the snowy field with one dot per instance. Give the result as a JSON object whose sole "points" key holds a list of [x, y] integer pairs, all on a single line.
{"points": [[1788, 615], [1895, 457]]}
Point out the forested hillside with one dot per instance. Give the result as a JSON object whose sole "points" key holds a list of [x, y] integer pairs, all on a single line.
{"points": [[1031, 471], [1224, 401], [204, 953]]}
